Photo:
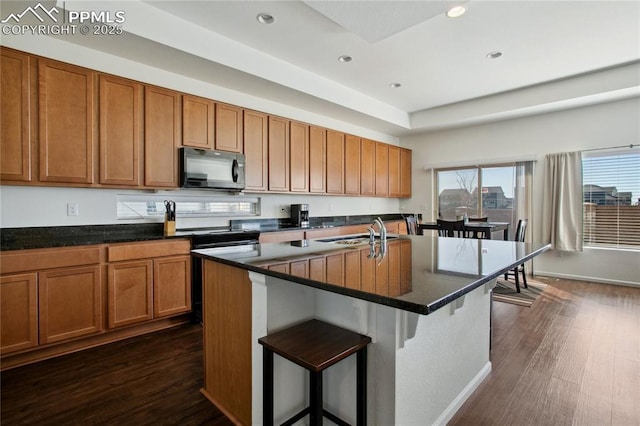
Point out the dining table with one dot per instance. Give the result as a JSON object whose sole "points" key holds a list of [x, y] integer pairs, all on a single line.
{"points": [[484, 228]]}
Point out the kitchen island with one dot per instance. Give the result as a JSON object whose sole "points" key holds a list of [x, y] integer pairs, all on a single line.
{"points": [[425, 302]]}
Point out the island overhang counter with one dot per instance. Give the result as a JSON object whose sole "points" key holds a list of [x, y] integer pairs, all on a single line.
{"points": [[424, 300]]}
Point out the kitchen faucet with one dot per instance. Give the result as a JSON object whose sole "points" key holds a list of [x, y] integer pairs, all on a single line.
{"points": [[381, 227]]}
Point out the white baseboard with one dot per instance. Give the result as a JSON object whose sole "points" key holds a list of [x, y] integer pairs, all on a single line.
{"points": [[585, 278], [455, 405]]}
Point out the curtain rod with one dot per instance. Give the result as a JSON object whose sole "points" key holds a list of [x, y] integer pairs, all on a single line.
{"points": [[630, 146]]}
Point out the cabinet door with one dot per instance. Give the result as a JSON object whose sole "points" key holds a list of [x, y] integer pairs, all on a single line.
{"points": [[368, 167], [335, 162], [162, 137], [335, 269], [299, 157], [129, 293], [394, 171], [255, 153], [18, 313], [405, 173], [317, 159], [382, 169], [228, 128], [121, 114], [67, 122], [70, 303], [278, 154], [15, 132], [352, 269], [317, 268], [352, 165], [299, 268], [171, 285], [198, 122]]}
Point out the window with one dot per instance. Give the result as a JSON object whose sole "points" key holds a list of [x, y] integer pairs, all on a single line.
{"points": [[142, 206], [611, 194], [503, 195]]}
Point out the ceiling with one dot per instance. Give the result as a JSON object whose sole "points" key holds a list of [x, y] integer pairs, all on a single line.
{"points": [[439, 61]]}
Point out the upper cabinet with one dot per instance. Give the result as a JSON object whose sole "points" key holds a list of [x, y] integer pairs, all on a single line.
{"points": [[335, 162], [382, 169], [256, 151], [121, 131], [66, 125], [162, 137], [278, 154], [67, 131], [317, 159], [352, 165], [228, 128], [15, 136], [299, 156], [198, 122]]}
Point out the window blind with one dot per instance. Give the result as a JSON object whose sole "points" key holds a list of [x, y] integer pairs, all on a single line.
{"points": [[611, 191]]}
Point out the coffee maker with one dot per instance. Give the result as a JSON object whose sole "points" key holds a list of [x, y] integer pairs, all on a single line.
{"points": [[300, 215]]}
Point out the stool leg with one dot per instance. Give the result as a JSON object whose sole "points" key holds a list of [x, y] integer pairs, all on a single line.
{"points": [[361, 387], [315, 398], [267, 387]]}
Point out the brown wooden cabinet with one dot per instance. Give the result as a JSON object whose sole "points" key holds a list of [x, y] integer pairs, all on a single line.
{"points": [[67, 131], [228, 127], [382, 169], [69, 303], [148, 280], [405, 173], [18, 312], [15, 116], [129, 293], [394, 171], [299, 157], [256, 151], [278, 154], [171, 285], [198, 122], [317, 159], [162, 137], [352, 159], [335, 162], [368, 167], [121, 130]]}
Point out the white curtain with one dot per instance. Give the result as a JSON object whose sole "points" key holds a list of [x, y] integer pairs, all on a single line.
{"points": [[562, 201]]}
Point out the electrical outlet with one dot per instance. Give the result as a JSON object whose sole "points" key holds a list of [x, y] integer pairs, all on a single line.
{"points": [[73, 209]]}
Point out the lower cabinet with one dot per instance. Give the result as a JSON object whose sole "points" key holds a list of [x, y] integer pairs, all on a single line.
{"points": [[148, 280], [68, 298], [69, 303], [18, 312]]}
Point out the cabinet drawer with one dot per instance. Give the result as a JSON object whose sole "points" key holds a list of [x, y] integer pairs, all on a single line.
{"points": [[38, 259], [148, 249]]}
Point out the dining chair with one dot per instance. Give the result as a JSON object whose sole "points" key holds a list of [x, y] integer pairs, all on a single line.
{"points": [[452, 228], [412, 225], [478, 234], [520, 233]]}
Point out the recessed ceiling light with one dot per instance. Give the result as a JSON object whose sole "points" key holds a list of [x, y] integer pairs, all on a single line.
{"points": [[345, 58], [493, 55], [456, 11], [265, 18], [395, 85]]}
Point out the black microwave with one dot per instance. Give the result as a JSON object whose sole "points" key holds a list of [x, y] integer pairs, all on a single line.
{"points": [[208, 169]]}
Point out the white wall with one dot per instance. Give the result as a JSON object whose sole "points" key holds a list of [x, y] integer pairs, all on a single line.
{"points": [[604, 125]]}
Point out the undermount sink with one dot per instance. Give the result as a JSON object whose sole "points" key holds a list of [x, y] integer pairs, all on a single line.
{"points": [[352, 239]]}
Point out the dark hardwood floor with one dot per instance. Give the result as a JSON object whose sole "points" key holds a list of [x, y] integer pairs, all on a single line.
{"points": [[572, 358], [148, 380]]}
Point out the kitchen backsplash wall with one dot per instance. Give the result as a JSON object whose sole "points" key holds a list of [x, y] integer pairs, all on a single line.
{"points": [[23, 206]]}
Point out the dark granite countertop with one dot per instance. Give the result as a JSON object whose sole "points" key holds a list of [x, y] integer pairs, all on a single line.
{"points": [[431, 271], [62, 236], [283, 224]]}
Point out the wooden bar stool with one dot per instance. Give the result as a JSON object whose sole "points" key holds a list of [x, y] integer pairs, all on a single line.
{"points": [[315, 345]]}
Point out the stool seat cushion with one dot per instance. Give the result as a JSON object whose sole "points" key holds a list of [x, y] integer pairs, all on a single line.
{"points": [[314, 344]]}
